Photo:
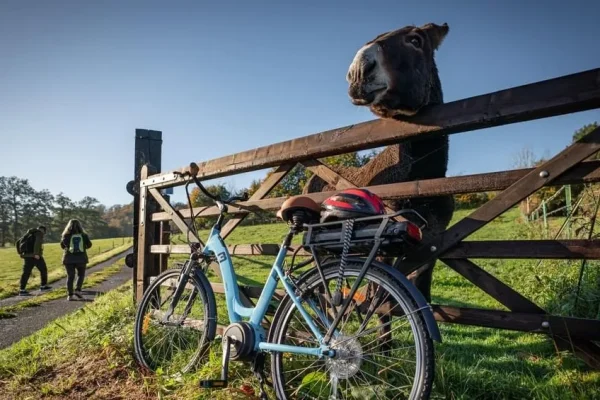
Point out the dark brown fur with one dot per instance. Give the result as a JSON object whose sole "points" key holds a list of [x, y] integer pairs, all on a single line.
{"points": [[414, 83]]}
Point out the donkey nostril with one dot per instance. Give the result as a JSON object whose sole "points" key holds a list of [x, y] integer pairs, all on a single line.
{"points": [[353, 91]]}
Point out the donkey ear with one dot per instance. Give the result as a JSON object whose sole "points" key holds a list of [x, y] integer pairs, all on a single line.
{"points": [[436, 33]]}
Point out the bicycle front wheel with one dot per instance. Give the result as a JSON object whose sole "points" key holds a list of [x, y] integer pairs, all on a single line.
{"points": [[174, 343], [383, 348]]}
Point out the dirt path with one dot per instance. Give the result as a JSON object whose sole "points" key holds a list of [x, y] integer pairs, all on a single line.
{"points": [[32, 319]]}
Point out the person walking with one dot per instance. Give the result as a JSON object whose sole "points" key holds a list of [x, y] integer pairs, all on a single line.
{"points": [[33, 256], [75, 242]]}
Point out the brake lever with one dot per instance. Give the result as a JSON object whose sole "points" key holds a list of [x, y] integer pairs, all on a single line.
{"points": [[193, 171]]}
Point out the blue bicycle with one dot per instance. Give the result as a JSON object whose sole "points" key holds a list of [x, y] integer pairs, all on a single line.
{"points": [[349, 326]]}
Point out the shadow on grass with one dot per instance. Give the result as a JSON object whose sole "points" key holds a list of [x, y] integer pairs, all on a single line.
{"points": [[482, 363]]}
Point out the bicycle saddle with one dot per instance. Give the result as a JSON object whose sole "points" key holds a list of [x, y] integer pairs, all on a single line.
{"points": [[306, 205]]}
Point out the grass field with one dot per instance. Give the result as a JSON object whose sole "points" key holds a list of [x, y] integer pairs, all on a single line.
{"points": [[89, 354], [11, 265]]}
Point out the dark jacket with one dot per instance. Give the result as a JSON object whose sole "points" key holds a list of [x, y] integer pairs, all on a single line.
{"points": [[77, 258], [38, 246]]}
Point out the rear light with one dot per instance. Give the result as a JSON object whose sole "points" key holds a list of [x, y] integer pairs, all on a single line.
{"points": [[413, 231]]}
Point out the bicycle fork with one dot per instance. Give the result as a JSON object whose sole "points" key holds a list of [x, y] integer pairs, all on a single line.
{"points": [[181, 283]]}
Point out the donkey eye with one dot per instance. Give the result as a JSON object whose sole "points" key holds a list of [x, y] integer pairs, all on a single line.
{"points": [[415, 41]]}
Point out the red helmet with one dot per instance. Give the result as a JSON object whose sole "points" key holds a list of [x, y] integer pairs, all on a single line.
{"points": [[351, 203]]}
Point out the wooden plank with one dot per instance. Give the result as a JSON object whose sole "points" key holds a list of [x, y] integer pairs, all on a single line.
{"points": [[586, 172], [236, 250], [145, 259], [558, 96], [517, 249], [524, 322], [264, 189], [504, 294], [175, 215], [327, 174], [497, 249], [540, 176]]}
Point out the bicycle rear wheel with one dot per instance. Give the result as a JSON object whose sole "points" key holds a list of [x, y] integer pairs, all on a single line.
{"points": [[384, 350], [174, 345]]}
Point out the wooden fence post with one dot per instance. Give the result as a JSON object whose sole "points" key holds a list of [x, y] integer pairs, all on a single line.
{"points": [[569, 207], [148, 146]]}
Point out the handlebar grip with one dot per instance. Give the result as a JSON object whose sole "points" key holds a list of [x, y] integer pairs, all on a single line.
{"points": [[194, 169]]}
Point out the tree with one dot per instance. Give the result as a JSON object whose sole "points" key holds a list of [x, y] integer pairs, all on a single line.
{"points": [[581, 132], [62, 209], [525, 158], [292, 184], [199, 199], [38, 208], [119, 219], [4, 211], [87, 210], [16, 191], [352, 159]]}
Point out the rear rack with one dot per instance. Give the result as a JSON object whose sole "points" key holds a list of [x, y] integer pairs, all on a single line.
{"points": [[392, 236]]}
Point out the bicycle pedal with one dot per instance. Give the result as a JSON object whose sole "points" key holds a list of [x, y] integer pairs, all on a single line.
{"points": [[219, 383], [213, 384]]}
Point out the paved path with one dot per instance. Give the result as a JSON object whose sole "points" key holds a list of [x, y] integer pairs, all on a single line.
{"points": [[32, 319], [9, 301]]}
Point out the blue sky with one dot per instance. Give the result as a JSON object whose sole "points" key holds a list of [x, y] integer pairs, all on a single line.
{"points": [[77, 78]]}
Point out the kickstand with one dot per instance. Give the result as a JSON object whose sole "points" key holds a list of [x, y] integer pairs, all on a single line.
{"points": [[258, 368]]}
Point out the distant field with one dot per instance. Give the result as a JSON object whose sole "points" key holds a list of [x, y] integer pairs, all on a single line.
{"points": [[11, 264]]}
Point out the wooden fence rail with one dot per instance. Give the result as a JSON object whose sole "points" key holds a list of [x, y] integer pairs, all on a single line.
{"points": [[559, 96]]}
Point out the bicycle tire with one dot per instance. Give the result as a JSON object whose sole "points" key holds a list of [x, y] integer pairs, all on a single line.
{"points": [[209, 324], [424, 371]]}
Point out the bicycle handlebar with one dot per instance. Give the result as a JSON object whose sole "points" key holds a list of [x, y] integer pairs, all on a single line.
{"points": [[193, 172]]}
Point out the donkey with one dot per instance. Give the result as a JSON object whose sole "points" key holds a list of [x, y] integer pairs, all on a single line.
{"points": [[395, 75]]}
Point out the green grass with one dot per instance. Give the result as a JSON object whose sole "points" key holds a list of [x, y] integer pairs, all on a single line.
{"points": [[11, 265], [472, 362]]}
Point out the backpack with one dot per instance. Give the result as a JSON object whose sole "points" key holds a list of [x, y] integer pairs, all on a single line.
{"points": [[76, 245], [26, 242]]}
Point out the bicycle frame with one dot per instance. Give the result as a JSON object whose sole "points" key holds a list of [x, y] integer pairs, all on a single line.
{"points": [[237, 311]]}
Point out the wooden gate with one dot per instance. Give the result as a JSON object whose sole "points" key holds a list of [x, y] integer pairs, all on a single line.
{"points": [[567, 94]]}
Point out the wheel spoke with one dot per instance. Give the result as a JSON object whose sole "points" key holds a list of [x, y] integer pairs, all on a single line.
{"points": [[374, 357], [174, 345]]}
